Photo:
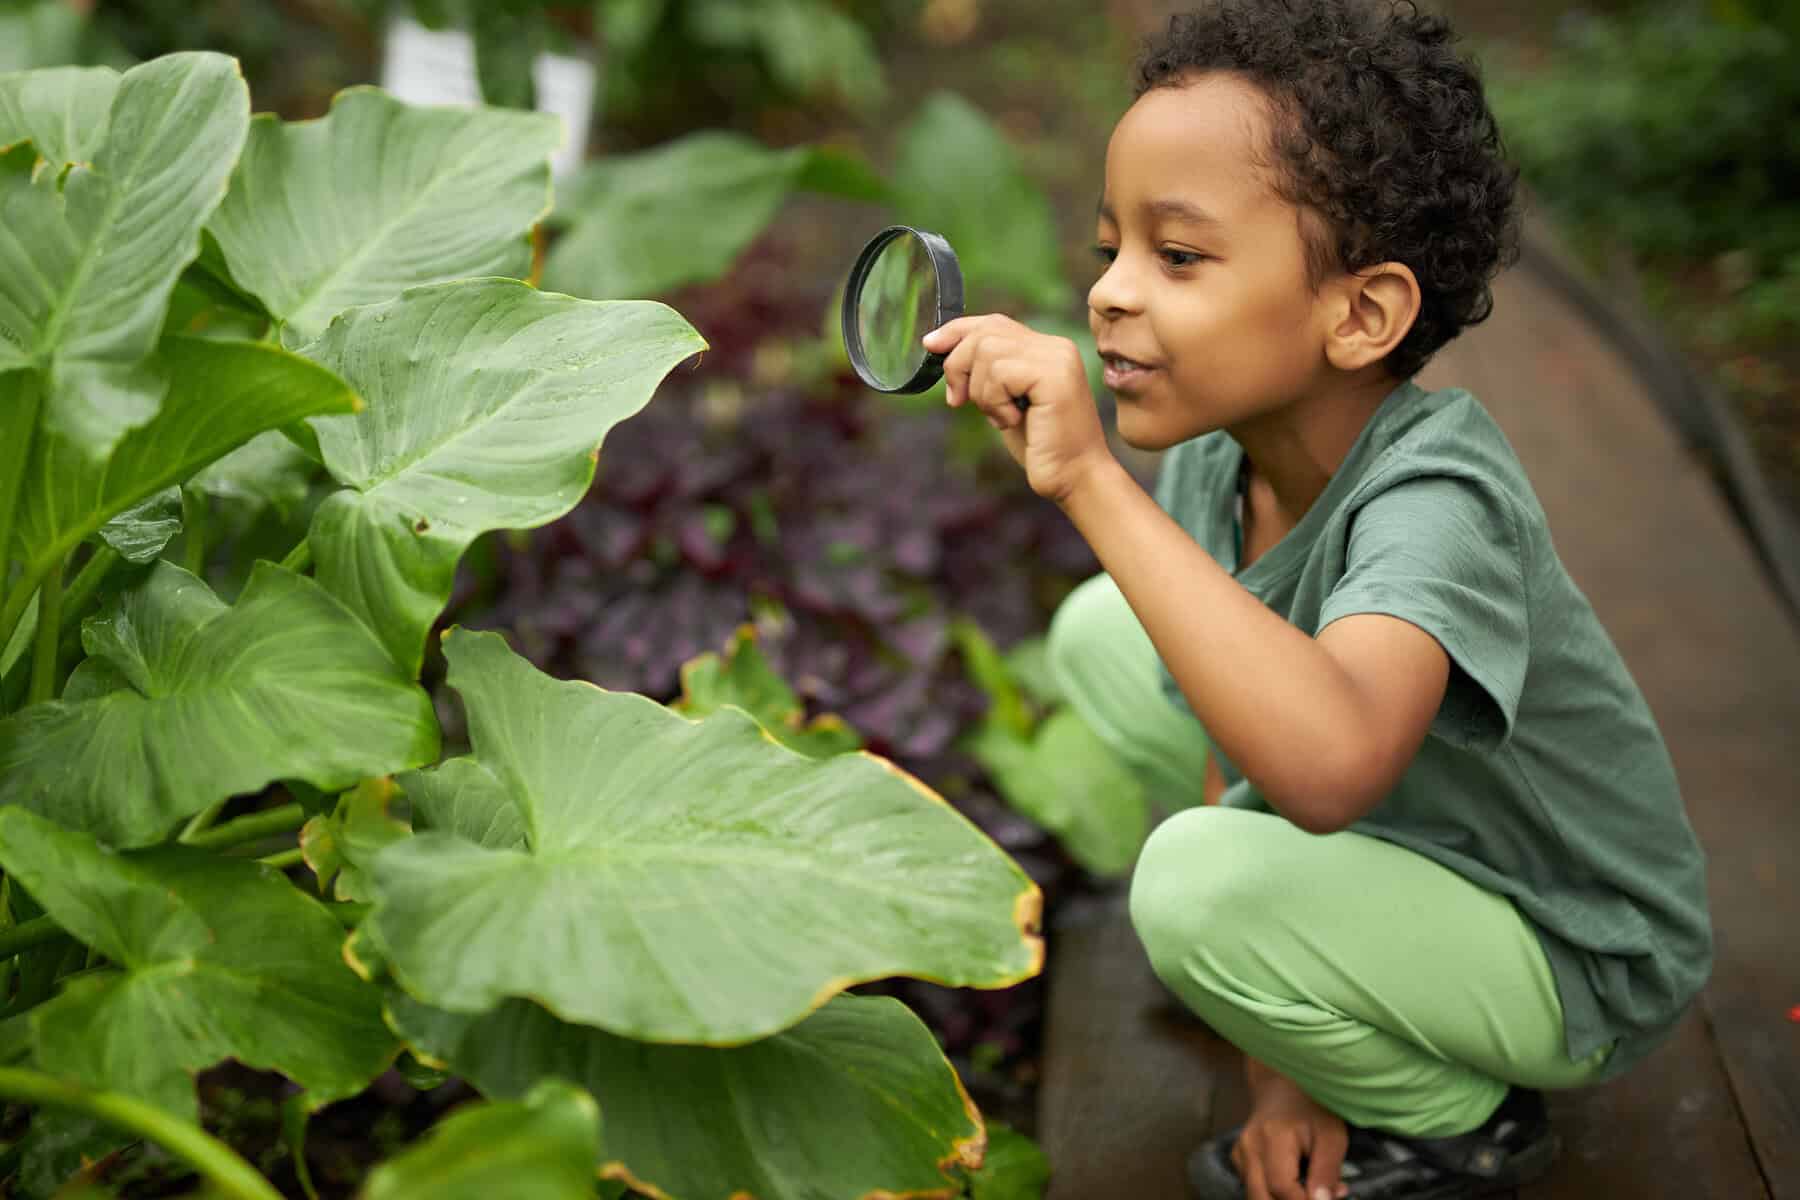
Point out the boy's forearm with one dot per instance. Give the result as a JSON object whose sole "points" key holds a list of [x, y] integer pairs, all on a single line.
{"points": [[1275, 701]]}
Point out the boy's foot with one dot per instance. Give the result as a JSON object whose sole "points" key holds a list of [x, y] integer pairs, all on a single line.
{"points": [[1513, 1147]]}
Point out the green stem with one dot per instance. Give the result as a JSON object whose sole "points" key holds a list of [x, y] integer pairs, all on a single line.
{"points": [[349, 912], [203, 820], [27, 935], [300, 557], [284, 859], [17, 601], [285, 819], [15, 455], [49, 631], [212, 1158], [87, 581], [193, 524]]}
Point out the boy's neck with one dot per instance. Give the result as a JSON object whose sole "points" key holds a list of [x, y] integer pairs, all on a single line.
{"points": [[1295, 451]]}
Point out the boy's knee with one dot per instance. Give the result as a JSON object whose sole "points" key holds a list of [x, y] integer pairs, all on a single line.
{"points": [[1195, 885]]}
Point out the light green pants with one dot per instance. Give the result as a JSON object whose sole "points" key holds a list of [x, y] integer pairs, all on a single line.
{"points": [[1392, 990]]}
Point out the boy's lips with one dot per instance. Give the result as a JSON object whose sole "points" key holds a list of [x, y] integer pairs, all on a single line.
{"points": [[1123, 372]]}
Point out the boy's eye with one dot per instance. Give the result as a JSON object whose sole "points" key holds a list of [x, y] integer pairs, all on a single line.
{"points": [[1106, 253], [1180, 258]]}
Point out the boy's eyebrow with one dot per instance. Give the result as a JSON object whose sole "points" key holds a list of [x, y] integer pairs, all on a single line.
{"points": [[1169, 208]]}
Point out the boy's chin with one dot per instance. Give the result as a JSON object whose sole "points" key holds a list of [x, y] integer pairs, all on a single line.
{"points": [[1151, 437]]}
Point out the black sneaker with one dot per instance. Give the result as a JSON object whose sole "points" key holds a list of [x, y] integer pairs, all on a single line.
{"points": [[1513, 1147]]}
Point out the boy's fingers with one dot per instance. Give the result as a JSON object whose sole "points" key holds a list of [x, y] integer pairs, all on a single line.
{"points": [[978, 386], [1255, 1186], [941, 339], [956, 370], [1013, 378], [1283, 1163], [1325, 1162]]}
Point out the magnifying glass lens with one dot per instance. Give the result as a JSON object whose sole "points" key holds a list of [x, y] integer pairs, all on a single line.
{"points": [[898, 307], [906, 282]]}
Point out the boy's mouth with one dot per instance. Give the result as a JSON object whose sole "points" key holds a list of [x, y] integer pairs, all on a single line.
{"points": [[1123, 373]]}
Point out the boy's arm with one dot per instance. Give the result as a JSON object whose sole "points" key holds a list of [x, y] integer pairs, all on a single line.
{"points": [[1323, 727]]}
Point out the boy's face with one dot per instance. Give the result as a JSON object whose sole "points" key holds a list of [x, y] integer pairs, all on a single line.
{"points": [[1206, 286]]}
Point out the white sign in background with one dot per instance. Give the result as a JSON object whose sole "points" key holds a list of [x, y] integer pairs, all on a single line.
{"points": [[426, 66]]}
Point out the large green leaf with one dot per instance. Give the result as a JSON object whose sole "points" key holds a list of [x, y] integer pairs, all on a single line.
{"points": [[1067, 780], [90, 253], [187, 701], [219, 395], [543, 1146], [644, 223], [221, 957], [488, 401], [856, 1100], [685, 881], [957, 174], [378, 197]]}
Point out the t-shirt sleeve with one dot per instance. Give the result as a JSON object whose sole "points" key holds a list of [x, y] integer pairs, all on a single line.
{"points": [[1443, 553]]}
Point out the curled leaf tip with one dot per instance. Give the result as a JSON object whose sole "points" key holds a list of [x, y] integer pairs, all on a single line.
{"points": [[620, 1172]]}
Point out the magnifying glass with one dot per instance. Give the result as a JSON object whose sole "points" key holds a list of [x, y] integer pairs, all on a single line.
{"points": [[906, 282]]}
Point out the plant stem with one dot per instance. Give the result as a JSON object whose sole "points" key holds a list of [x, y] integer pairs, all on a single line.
{"points": [[300, 557], [15, 455], [284, 859], [87, 581], [349, 912], [212, 1158], [193, 522], [17, 601], [285, 819], [28, 934], [49, 632], [203, 820]]}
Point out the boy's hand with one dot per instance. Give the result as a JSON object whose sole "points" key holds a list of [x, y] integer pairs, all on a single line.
{"points": [[1285, 1126], [991, 361]]}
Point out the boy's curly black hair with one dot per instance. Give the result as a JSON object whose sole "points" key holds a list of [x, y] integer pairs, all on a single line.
{"points": [[1380, 128]]}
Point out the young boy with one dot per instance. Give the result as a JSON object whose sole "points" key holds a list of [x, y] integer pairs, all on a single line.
{"points": [[1444, 861]]}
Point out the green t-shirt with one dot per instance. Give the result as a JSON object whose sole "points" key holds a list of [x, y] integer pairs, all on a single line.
{"points": [[1543, 777]]}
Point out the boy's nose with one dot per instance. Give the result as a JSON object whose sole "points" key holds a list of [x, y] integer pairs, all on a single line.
{"points": [[1113, 294]]}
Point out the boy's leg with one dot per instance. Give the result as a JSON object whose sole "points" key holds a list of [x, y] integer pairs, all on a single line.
{"points": [[1106, 666], [1393, 991]]}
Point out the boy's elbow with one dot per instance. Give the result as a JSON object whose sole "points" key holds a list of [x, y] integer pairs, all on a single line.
{"points": [[1320, 822], [1333, 795]]}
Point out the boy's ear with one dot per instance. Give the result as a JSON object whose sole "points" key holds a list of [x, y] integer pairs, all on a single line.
{"points": [[1371, 313]]}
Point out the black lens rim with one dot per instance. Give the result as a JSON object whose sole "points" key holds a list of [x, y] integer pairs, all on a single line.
{"points": [[949, 304]]}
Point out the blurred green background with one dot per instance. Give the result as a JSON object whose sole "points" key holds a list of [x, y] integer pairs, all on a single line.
{"points": [[1662, 135]]}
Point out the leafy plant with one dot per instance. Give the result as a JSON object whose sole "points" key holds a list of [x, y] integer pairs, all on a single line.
{"points": [[1050, 765], [671, 905], [641, 224], [1672, 136], [543, 1145], [667, 54]]}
